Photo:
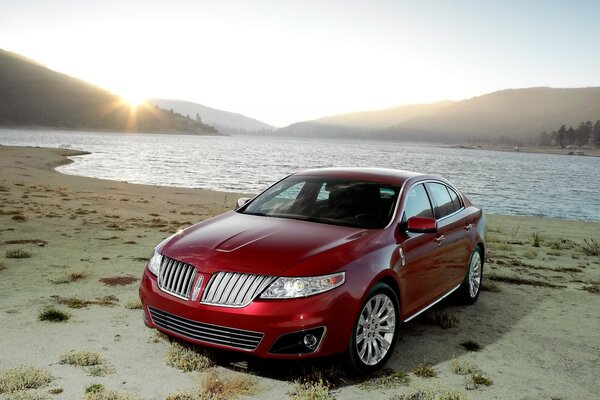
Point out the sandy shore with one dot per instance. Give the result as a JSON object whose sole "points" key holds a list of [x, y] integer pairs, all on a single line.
{"points": [[535, 149], [538, 332]]}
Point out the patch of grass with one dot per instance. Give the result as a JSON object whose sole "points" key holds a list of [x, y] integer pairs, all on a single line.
{"points": [[58, 390], [555, 253], [435, 393], [72, 302], [318, 390], [463, 367], [106, 301], [158, 337], [52, 314], [25, 396], [118, 280], [82, 358], [477, 379], [590, 248], [94, 388], [27, 241], [109, 394], [500, 246], [490, 286], [131, 242], [536, 239], [530, 253], [77, 276], [516, 280], [187, 358], [442, 318], [19, 218], [214, 387], [2, 266], [424, 370], [133, 304], [23, 377], [471, 345], [385, 379], [100, 370], [592, 288], [17, 253]]}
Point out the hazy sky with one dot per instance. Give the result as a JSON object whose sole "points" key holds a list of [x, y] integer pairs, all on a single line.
{"points": [[284, 61]]}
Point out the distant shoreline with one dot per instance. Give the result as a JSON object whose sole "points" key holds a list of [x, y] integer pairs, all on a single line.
{"points": [[63, 129], [531, 149]]}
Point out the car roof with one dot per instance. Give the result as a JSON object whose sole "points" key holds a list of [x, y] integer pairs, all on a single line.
{"points": [[387, 175]]}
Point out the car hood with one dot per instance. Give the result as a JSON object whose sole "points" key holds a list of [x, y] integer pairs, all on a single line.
{"points": [[261, 245]]}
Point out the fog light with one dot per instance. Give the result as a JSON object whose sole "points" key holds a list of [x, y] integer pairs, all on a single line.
{"points": [[310, 341]]}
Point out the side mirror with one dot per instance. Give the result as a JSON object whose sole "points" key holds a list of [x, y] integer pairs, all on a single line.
{"points": [[241, 202], [421, 225]]}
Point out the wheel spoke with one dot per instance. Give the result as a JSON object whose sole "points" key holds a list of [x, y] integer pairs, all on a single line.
{"points": [[375, 329]]}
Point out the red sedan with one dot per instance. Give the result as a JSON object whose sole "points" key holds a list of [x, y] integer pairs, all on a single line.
{"points": [[325, 261]]}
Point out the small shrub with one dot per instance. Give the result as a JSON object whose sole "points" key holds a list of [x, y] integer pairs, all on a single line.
{"points": [[431, 394], [77, 276], [463, 367], [52, 314], [590, 248], [100, 370], [56, 390], [385, 379], [490, 286], [109, 394], [476, 379], [536, 239], [72, 302], [19, 218], [133, 304], [118, 280], [17, 253], [424, 370], [311, 391], [81, 358], [22, 378], [471, 345], [594, 288], [106, 301], [94, 388], [531, 253], [2, 266], [215, 388], [186, 358]]}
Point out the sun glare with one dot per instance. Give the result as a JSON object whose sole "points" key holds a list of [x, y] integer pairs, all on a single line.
{"points": [[133, 100]]}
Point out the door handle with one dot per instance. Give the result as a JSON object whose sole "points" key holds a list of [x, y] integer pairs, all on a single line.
{"points": [[439, 239], [468, 227]]}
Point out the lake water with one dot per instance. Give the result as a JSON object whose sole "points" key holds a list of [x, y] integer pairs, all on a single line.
{"points": [[500, 182]]}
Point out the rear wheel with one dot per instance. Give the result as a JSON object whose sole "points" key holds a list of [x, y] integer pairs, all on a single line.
{"points": [[471, 286], [375, 331]]}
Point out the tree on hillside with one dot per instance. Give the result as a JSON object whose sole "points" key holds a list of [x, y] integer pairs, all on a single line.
{"points": [[544, 139], [583, 133], [596, 134], [570, 135], [561, 137]]}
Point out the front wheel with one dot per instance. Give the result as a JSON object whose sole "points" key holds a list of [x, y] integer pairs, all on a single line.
{"points": [[375, 331], [471, 286]]}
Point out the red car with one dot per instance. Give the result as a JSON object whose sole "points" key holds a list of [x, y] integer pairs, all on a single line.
{"points": [[325, 261]]}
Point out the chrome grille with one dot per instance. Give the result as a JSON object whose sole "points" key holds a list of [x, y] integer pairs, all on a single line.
{"points": [[237, 338], [234, 289], [176, 278]]}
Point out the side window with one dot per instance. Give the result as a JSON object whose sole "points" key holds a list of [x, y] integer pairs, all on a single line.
{"points": [[441, 198], [417, 204], [455, 199], [323, 193]]}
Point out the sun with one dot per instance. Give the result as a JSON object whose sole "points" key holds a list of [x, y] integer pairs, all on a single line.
{"points": [[134, 100]]}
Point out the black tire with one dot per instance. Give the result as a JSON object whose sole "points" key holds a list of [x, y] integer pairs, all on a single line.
{"points": [[466, 293], [355, 362]]}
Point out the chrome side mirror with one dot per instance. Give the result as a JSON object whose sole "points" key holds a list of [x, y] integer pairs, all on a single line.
{"points": [[241, 202]]}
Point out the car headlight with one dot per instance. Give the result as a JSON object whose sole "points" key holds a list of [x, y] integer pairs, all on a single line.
{"points": [[154, 263], [291, 287]]}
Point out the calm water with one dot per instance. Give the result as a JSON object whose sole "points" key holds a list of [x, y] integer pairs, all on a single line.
{"points": [[502, 183]]}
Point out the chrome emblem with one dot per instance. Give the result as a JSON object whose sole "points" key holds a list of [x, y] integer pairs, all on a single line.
{"points": [[196, 291]]}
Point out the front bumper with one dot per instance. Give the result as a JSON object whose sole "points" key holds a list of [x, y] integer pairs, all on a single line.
{"points": [[254, 328]]}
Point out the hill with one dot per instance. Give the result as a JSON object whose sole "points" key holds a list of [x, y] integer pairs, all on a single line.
{"points": [[513, 114], [225, 121], [33, 95]]}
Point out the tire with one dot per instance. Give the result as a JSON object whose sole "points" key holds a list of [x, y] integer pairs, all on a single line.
{"points": [[469, 290], [374, 336]]}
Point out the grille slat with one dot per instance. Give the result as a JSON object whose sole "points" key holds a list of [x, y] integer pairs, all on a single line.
{"points": [[234, 289], [176, 278], [236, 338]]}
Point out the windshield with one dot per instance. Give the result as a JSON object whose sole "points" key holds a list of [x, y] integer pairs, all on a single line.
{"points": [[360, 204]]}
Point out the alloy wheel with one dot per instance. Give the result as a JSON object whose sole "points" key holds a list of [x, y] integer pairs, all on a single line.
{"points": [[475, 274], [376, 329]]}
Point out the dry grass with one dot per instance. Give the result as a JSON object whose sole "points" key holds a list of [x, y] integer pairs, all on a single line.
{"points": [[477, 379], [536, 239], [530, 253], [433, 393], [385, 379], [516, 280], [22, 378], [499, 246], [99, 392], [215, 388], [318, 390], [100, 370], [594, 288], [187, 358], [25, 396], [424, 370], [77, 276], [2, 266], [490, 286], [118, 280], [590, 248], [81, 358], [76, 302], [17, 253], [52, 314], [463, 367], [442, 318], [27, 241], [133, 304], [19, 218]]}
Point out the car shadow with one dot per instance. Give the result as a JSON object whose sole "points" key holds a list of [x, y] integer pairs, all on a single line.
{"points": [[421, 340]]}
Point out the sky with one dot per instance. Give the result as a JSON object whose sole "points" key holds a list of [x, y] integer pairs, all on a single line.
{"points": [[285, 61]]}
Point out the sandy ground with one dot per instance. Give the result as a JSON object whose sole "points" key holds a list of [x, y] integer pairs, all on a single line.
{"points": [[537, 342], [595, 152]]}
